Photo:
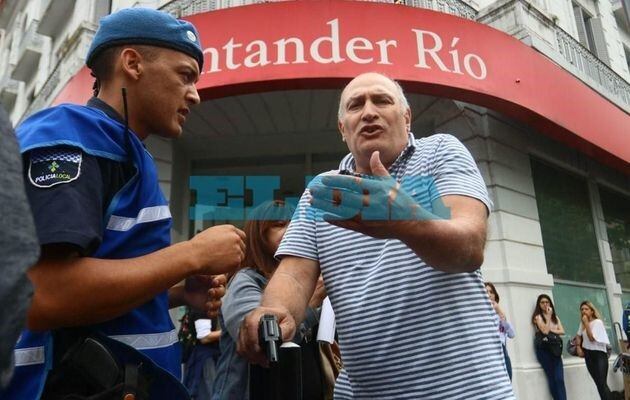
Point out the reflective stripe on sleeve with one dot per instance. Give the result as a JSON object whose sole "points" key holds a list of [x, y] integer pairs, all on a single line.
{"points": [[29, 356], [148, 214], [148, 341]]}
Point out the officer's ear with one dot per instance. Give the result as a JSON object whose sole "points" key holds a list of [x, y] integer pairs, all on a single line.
{"points": [[131, 63]]}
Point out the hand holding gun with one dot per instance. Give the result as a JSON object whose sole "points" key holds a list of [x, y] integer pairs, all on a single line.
{"points": [[270, 336]]}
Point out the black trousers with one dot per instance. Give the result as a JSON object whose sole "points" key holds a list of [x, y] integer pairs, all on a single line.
{"points": [[597, 366]]}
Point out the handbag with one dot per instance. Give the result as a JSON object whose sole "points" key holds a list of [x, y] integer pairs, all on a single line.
{"points": [[330, 358], [552, 343], [572, 346]]}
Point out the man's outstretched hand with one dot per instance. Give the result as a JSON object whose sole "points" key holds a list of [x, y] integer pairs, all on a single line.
{"points": [[376, 205]]}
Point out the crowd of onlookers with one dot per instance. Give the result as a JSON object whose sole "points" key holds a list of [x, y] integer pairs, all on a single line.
{"points": [[591, 342]]}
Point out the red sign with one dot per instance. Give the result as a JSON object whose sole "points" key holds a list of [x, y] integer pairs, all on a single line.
{"points": [[78, 90], [322, 44]]}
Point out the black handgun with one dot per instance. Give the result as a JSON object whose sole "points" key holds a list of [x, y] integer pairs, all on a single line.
{"points": [[270, 336]]}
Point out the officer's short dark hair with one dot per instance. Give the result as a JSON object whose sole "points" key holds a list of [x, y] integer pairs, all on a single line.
{"points": [[103, 64]]}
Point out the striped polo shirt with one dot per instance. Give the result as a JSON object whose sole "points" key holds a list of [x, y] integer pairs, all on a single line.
{"points": [[406, 330]]}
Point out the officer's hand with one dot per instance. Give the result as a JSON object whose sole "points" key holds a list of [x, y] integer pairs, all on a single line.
{"points": [[215, 294], [196, 291], [219, 249], [248, 346], [204, 293]]}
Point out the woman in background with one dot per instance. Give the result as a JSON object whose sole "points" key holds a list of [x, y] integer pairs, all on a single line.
{"points": [[505, 328], [592, 345], [264, 228], [545, 321]]}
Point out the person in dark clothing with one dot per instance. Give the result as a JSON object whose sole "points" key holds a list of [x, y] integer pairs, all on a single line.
{"points": [[19, 249], [545, 322]]}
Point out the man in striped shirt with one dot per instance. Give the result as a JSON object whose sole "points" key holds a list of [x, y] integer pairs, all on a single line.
{"points": [[398, 234]]}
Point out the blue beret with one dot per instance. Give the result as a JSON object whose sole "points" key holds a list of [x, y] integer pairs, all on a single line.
{"points": [[149, 27]]}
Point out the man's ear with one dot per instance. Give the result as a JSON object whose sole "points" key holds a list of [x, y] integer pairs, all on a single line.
{"points": [[342, 130], [131, 63], [407, 116]]}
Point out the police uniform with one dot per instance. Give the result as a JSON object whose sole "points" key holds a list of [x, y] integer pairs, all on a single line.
{"points": [[93, 185]]}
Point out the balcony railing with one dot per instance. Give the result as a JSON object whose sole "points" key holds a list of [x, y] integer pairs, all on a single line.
{"points": [[541, 31], [588, 64], [453, 7], [184, 8]]}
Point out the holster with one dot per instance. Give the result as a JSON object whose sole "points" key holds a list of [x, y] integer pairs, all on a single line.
{"points": [[86, 369]]}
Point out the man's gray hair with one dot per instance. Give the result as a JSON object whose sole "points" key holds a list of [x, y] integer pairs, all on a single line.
{"points": [[404, 104]]}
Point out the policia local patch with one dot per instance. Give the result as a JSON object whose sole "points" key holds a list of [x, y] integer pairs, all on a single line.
{"points": [[50, 167]]}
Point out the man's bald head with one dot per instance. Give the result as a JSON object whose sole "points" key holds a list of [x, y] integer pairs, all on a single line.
{"points": [[395, 85]]}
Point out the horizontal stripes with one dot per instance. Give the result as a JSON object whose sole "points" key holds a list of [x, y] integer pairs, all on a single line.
{"points": [[148, 341], [148, 214], [406, 330], [29, 356]]}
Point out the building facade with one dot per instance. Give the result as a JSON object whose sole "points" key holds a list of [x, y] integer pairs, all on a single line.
{"points": [[538, 91]]}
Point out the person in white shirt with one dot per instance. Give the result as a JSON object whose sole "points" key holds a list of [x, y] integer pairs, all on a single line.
{"points": [[593, 341]]}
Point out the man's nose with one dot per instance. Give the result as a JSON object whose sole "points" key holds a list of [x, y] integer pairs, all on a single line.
{"points": [[369, 111], [193, 96]]}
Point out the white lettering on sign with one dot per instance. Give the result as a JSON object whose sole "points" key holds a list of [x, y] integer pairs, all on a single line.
{"points": [[229, 53], [256, 58], [358, 43], [329, 49], [383, 45], [282, 51], [333, 39], [478, 72]]}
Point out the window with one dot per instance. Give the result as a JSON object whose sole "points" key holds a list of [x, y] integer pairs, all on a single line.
{"points": [[570, 243], [616, 209], [567, 226], [584, 21], [590, 30], [627, 53]]}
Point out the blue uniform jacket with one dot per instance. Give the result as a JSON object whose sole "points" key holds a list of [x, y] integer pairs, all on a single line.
{"points": [[137, 222]]}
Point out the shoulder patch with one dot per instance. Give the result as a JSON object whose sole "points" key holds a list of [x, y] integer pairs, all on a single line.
{"points": [[53, 166]]}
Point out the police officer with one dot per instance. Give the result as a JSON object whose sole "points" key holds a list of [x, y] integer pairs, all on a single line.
{"points": [[102, 221]]}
